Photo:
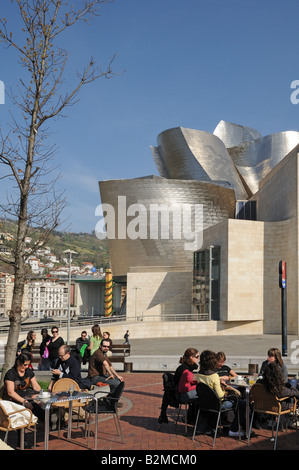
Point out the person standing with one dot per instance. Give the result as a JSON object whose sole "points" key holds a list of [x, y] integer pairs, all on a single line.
{"points": [[95, 339], [126, 336], [53, 346], [44, 362]]}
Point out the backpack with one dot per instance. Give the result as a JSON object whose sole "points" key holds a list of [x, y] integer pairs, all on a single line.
{"points": [[170, 396]]}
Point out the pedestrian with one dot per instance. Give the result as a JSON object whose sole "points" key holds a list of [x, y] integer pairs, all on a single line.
{"points": [[126, 336]]}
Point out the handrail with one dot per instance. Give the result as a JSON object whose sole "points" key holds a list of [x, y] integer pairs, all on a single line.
{"points": [[62, 322]]}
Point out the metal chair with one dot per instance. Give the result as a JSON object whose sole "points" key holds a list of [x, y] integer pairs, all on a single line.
{"points": [[106, 405], [265, 402], [209, 401], [7, 421], [185, 413]]}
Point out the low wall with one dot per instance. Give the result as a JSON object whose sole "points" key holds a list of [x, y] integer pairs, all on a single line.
{"points": [[159, 329]]}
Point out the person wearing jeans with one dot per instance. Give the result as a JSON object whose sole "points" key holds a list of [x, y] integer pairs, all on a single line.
{"points": [[208, 374], [101, 370]]}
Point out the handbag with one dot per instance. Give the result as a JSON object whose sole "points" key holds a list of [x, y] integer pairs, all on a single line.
{"points": [[46, 353]]}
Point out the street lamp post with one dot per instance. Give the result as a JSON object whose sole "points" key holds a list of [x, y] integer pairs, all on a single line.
{"points": [[70, 253]]}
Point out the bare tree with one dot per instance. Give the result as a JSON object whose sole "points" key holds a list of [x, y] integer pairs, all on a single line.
{"points": [[25, 155]]}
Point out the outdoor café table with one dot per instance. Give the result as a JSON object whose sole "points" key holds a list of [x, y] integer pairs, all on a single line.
{"points": [[245, 385], [60, 397]]}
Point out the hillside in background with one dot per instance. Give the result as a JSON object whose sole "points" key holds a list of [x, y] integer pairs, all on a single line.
{"points": [[87, 245]]}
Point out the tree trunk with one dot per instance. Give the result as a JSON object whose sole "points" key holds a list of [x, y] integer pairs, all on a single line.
{"points": [[15, 315]]}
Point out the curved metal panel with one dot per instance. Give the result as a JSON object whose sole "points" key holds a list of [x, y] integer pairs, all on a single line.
{"points": [[235, 134], [255, 159], [125, 252], [191, 154]]}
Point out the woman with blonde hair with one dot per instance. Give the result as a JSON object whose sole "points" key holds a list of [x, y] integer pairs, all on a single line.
{"points": [[95, 339]]}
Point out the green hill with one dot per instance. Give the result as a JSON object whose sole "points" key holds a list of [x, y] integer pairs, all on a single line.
{"points": [[87, 245]]}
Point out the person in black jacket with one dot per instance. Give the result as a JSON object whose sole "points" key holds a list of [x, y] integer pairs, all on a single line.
{"points": [[83, 340], [44, 362], [68, 367]]}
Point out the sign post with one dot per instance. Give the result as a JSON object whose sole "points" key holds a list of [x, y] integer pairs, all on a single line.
{"points": [[283, 287]]}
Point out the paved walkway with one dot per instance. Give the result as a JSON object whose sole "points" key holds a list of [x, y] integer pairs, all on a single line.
{"points": [[139, 421]]}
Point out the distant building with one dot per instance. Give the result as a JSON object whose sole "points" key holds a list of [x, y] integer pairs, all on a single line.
{"points": [[46, 299], [6, 292]]}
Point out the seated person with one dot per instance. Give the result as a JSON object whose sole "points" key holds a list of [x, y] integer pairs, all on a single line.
{"points": [[274, 383], [106, 335], [274, 355], [82, 354], [68, 367], [184, 379], [19, 382], [27, 345], [208, 375], [223, 370], [101, 370]]}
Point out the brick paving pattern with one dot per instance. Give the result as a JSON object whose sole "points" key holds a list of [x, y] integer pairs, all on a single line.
{"points": [[139, 421]]}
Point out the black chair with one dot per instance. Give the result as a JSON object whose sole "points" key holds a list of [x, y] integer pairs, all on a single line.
{"points": [[171, 398], [209, 401], [105, 406]]}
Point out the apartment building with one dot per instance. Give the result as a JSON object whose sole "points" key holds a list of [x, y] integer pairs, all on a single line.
{"points": [[6, 291], [47, 298]]}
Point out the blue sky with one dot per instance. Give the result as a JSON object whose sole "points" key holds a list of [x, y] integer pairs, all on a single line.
{"points": [[186, 63]]}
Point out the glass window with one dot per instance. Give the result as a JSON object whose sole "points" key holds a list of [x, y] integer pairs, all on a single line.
{"points": [[246, 210], [206, 275]]}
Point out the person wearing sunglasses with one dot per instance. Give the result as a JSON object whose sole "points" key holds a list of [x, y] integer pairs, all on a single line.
{"points": [[53, 346], [101, 370], [184, 375], [19, 384]]}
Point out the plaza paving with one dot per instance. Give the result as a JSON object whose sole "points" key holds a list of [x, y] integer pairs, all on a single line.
{"points": [[139, 420], [141, 408]]}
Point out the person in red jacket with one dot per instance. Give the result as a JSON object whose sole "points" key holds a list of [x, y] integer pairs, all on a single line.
{"points": [[184, 377]]}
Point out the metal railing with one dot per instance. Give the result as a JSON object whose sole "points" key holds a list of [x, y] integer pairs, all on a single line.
{"points": [[62, 323], [168, 317], [85, 322]]}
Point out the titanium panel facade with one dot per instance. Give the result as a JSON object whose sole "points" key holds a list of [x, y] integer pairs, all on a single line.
{"points": [[234, 134], [189, 154], [255, 159], [218, 205]]}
